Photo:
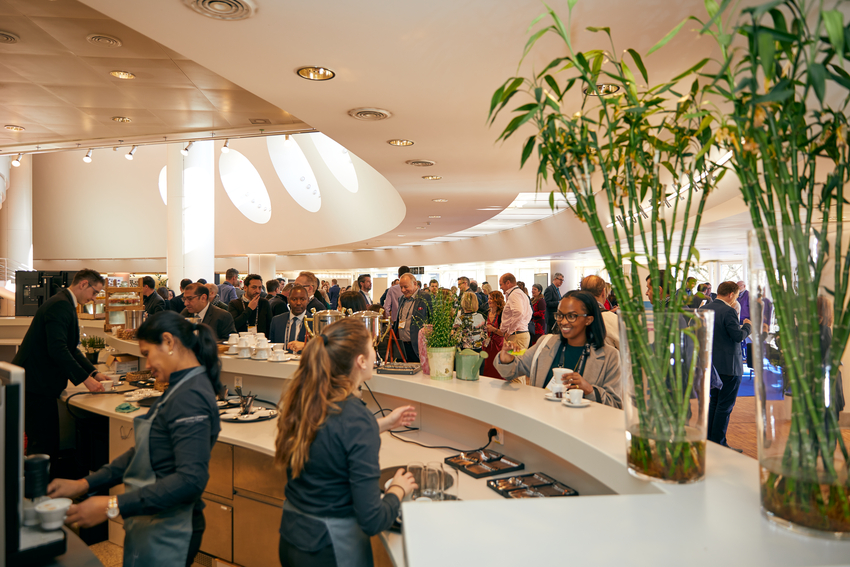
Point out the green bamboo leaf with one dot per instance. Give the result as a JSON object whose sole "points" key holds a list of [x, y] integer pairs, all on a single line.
{"points": [[842, 79], [507, 93], [535, 20], [594, 30], [559, 25], [526, 151], [631, 84], [596, 68], [553, 84], [695, 253], [693, 69], [767, 54], [571, 4], [817, 79], [833, 20], [760, 10], [712, 8], [714, 16], [667, 38], [582, 63], [532, 40], [639, 63], [705, 148], [552, 201], [779, 20]]}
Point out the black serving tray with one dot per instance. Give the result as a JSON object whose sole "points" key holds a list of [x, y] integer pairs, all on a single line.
{"points": [[483, 463], [534, 485]]}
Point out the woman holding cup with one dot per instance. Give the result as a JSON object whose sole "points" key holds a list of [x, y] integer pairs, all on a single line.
{"points": [[579, 347], [329, 441]]}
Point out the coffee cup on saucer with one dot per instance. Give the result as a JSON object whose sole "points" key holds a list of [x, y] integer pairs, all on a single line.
{"points": [[233, 338], [51, 513], [576, 396], [244, 342], [277, 347], [557, 388]]}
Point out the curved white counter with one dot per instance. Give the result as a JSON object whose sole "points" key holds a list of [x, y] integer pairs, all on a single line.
{"points": [[636, 523]]}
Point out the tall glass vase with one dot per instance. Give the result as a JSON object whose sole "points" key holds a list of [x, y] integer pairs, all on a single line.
{"points": [[802, 454], [665, 366]]}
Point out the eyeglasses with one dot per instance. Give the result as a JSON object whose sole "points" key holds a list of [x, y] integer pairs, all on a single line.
{"points": [[188, 297], [571, 317]]}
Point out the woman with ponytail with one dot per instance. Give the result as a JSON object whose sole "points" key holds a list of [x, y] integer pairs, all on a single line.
{"points": [[166, 472], [329, 442]]}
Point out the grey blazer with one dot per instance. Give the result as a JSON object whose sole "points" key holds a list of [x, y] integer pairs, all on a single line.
{"points": [[602, 370]]}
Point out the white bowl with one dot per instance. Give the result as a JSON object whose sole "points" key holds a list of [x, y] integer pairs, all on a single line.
{"points": [[51, 513]]}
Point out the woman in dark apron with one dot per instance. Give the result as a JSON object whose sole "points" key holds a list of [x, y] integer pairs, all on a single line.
{"points": [[329, 442], [166, 472]]}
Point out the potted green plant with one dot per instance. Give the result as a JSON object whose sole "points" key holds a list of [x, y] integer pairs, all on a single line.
{"points": [[787, 132], [442, 341], [633, 163], [92, 347]]}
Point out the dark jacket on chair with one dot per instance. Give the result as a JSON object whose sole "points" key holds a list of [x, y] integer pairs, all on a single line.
{"points": [[49, 352]]}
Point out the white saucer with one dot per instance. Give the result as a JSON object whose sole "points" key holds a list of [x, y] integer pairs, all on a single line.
{"points": [[584, 403], [255, 357], [249, 417], [245, 357], [237, 411], [551, 397]]}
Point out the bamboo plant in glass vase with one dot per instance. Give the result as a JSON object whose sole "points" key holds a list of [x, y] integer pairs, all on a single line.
{"points": [[781, 72], [633, 163], [443, 338]]}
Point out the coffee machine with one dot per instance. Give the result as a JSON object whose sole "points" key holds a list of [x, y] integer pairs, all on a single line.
{"points": [[20, 544]]}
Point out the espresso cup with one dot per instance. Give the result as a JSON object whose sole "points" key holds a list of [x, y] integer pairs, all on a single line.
{"points": [[115, 377], [278, 347], [107, 385], [51, 513], [559, 373], [244, 342], [576, 396], [233, 338], [557, 388]]}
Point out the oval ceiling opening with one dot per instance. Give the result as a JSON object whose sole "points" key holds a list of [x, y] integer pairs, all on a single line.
{"points": [[295, 172], [245, 187], [338, 160]]}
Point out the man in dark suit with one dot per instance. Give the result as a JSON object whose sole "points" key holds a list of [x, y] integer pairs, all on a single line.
{"points": [[311, 284], [50, 356], [276, 301], [726, 357], [552, 297], [177, 301], [153, 302], [365, 283], [251, 310], [414, 311], [290, 328], [333, 294], [197, 299]]}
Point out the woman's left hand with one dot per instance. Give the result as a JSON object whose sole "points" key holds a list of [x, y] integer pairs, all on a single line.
{"points": [[88, 513], [400, 417], [574, 380]]}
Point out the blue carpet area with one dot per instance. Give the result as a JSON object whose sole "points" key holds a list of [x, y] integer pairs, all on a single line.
{"points": [[772, 378]]}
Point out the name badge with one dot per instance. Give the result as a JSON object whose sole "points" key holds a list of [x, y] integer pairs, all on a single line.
{"points": [[401, 324]]}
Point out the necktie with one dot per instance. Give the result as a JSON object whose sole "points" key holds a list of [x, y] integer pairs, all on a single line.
{"points": [[293, 333]]}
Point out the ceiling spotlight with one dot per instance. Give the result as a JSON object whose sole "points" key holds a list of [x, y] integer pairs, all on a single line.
{"points": [[185, 151], [17, 161], [315, 73], [431, 177], [398, 142], [129, 156], [420, 228], [226, 147], [87, 157], [122, 75], [14, 128], [121, 119], [440, 200], [401, 235]]}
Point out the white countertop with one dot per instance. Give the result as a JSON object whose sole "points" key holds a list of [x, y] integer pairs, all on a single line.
{"points": [[707, 523]]}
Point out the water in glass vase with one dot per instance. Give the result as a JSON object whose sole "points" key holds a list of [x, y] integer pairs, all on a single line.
{"points": [[677, 462], [815, 506]]}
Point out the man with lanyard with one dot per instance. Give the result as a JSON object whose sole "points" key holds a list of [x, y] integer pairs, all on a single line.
{"points": [[413, 312], [289, 328], [516, 315], [365, 283], [251, 310], [50, 357]]}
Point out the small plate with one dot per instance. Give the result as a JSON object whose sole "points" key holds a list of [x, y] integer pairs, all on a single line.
{"points": [[222, 403], [584, 403], [552, 398], [230, 417], [249, 417], [266, 413]]}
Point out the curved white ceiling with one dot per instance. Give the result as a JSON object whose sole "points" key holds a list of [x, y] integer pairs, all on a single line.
{"points": [[294, 171], [245, 187]]}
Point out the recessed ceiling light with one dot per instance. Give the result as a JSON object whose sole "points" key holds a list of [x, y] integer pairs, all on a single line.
{"points": [[399, 142], [121, 119], [14, 128], [602, 89], [435, 217], [431, 177], [316, 73], [122, 74], [421, 162], [440, 200]]}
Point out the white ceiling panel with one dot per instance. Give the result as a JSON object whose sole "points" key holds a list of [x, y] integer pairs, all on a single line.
{"points": [[89, 97], [28, 93], [50, 115], [159, 98], [203, 78], [54, 9], [32, 38], [162, 72], [54, 69], [72, 33], [192, 119]]}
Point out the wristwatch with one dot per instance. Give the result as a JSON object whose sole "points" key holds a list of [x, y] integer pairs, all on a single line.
{"points": [[112, 508]]}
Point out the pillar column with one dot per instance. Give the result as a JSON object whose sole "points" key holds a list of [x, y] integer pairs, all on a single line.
{"points": [[568, 269], [16, 215], [262, 265], [190, 216]]}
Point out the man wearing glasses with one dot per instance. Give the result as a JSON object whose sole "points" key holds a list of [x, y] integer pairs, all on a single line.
{"points": [[197, 300], [552, 297]]}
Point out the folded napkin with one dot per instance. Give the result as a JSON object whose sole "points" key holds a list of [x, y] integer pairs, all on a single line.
{"points": [[126, 407]]}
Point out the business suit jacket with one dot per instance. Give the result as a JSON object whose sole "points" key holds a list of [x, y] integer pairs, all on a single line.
{"points": [[219, 320], [177, 303], [316, 304], [602, 369], [154, 304], [333, 295], [277, 334], [728, 335], [420, 317], [49, 352], [278, 305], [552, 296], [238, 309]]}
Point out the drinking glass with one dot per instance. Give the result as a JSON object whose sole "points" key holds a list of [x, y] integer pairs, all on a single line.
{"points": [[432, 481], [416, 469], [451, 483]]}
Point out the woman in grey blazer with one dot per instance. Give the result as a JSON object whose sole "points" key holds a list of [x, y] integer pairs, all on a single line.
{"points": [[580, 346]]}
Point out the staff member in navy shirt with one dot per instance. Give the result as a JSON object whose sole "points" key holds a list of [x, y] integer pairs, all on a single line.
{"points": [[166, 472], [329, 441]]}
